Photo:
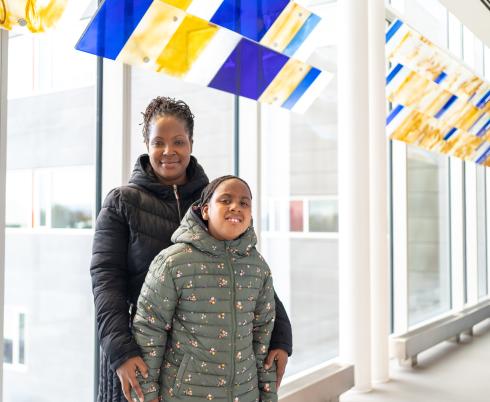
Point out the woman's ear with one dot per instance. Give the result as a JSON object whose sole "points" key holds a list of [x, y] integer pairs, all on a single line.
{"points": [[204, 212]]}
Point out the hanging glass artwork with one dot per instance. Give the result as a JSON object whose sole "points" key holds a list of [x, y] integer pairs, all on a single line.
{"points": [[233, 46], [438, 103], [36, 15]]}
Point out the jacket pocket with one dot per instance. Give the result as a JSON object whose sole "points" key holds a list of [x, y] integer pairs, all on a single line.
{"points": [[180, 374]]}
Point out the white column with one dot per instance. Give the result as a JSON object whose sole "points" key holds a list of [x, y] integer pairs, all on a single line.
{"points": [[378, 194], [3, 176], [116, 161], [457, 234], [353, 153], [487, 222], [400, 237], [471, 234]]}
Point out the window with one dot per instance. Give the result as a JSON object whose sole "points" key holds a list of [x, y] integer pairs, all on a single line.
{"points": [[428, 234], [14, 346], [49, 213], [60, 197], [481, 223], [298, 235]]}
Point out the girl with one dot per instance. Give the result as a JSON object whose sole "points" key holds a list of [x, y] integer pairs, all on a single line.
{"points": [[206, 310]]}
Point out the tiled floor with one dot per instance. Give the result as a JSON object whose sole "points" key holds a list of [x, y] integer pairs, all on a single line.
{"points": [[446, 373]]}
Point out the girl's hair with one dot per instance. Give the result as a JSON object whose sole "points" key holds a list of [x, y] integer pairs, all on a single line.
{"points": [[209, 190], [165, 106]]}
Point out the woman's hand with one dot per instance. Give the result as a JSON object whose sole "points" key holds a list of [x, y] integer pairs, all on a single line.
{"points": [[127, 375], [281, 358]]}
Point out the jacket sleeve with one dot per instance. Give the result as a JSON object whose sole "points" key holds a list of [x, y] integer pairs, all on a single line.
{"points": [[156, 307], [110, 282], [262, 329], [282, 336]]}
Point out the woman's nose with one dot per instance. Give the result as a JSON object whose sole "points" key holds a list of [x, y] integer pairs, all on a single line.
{"points": [[168, 150]]}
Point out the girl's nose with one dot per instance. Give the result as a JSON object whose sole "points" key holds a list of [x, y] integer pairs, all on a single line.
{"points": [[235, 206]]}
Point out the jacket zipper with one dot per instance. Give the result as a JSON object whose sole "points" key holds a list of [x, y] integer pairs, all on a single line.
{"points": [[177, 198], [233, 325]]}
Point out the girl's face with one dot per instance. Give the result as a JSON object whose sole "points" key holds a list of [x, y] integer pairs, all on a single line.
{"points": [[169, 148], [229, 211]]}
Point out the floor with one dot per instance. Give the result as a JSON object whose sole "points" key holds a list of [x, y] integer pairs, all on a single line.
{"points": [[448, 372]]}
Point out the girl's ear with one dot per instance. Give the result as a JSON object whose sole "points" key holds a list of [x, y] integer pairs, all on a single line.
{"points": [[204, 212]]}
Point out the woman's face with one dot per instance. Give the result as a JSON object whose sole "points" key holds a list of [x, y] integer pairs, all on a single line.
{"points": [[169, 148], [229, 211]]}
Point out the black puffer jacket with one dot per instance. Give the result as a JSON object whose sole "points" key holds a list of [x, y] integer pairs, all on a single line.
{"points": [[136, 222]]}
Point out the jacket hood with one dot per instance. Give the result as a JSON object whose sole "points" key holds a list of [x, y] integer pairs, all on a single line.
{"points": [[193, 230], [144, 176]]}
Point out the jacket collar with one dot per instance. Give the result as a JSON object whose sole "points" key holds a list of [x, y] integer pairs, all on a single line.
{"points": [[144, 176], [193, 230]]}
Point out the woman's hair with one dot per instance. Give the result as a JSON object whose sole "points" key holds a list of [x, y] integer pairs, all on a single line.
{"points": [[165, 106], [209, 190]]}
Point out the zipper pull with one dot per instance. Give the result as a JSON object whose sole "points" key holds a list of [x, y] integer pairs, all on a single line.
{"points": [[177, 198]]}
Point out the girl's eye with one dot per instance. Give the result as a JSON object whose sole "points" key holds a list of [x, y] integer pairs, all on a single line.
{"points": [[225, 201], [244, 204], [180, 142]]}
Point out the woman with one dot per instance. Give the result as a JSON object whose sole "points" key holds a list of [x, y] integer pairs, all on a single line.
{"points": [[134, 225]]}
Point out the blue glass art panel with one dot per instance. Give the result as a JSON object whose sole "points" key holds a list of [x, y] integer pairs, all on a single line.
{"points": [[302, 34], [249, 69], [301, 88], [112, 26], [250, 18]]}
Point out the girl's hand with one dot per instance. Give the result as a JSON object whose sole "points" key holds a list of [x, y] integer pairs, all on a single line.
{"points": [[281, 358], [127, 375]]}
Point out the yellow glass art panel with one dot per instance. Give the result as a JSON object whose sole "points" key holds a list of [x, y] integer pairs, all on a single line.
{"points": [[466, 118], [420, 93], [285, 27], [186, 45], [415, 126], [36, 15], [285, 82], [466, 146], [152, 34], [182, 4]]}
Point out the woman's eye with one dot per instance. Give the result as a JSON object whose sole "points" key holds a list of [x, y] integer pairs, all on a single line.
{"points": [[245, 204], [179, 143]]}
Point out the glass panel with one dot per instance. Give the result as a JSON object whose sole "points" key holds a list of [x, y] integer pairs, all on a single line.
{"points": [[166, 39], [487, 62], [428, 234], [455, 36], [296, 216], [112, 26], [399, 5], [51, 181], [299, 170], [323, 216], [429, 17], [249, 18], [481, 216], [468, 47], [261, 64]]}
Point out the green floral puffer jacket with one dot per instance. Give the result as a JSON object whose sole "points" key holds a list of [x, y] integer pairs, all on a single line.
{"points": [[204, 319]]}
